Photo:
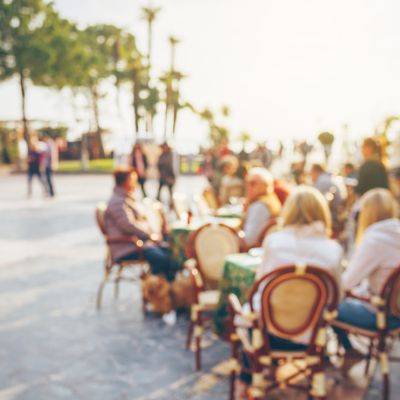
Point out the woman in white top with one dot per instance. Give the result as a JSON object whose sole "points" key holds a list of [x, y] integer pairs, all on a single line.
{"points": [[376, 255], [304, 238]]}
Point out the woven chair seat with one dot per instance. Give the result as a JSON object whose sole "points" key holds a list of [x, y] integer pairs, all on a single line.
{"points": [[208, 299]]}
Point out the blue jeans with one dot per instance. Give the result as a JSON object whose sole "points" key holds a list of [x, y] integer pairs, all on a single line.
{"points": [[157, 257], [49, 180], [354, 312]]}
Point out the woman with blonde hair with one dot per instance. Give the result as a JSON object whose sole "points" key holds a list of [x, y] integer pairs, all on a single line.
{"points": [[306, 226], [376, 255], [303, 238]]}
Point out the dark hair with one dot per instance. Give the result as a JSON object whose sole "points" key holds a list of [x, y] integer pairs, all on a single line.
{"points": [[318, 167], [349, 165], [121, 174], [374, 144]]}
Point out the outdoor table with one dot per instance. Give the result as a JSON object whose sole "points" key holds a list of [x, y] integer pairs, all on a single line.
{"points": [[238, 278], [180, 231], [230, 211]]}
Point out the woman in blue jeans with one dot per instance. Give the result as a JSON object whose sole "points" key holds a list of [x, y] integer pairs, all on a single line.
{"points": [[376, 255]]}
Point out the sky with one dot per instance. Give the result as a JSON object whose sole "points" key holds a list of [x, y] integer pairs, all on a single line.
{"points": [[286, 68]]}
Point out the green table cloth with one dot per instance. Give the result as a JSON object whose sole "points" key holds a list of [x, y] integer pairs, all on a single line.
{"points": [[180, 232], [238, 278]]}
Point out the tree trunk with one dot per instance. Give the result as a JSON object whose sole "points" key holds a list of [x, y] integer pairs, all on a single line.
{"points": [[149, 44], [136, 99], [176, 109], [22, 85], [166, 121], [95, 100], [175, 118]]}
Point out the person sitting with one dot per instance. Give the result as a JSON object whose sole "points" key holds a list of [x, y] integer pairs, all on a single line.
{"points": [[303, 238], [261, 204], [329, 187], [231, 185], [376, 255], [125, 216], [304, 235]]}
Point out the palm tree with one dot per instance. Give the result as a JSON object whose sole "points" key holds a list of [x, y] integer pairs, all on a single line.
{"points": [[225, 111], [171, 81], [244, 137], [150, 14], [173, 42], [326, 139]]}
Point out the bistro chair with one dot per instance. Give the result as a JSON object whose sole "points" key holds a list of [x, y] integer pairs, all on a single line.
{"points": [[387, 303], [207, 247], [295, 301], [113, 270]]}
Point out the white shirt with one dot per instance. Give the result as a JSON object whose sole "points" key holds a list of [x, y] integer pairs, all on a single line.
{"points": [[306, 244], [301, 244], [376, 256]]}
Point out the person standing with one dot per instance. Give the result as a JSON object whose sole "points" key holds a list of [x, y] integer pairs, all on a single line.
{"points": [[139, 162], [34, 161], [166, 170], [47, 161], [372, 173]]}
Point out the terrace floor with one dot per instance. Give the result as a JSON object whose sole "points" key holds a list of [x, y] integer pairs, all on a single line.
{"points": [[55, 345]]}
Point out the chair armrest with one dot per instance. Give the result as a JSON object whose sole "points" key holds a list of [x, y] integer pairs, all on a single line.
{"points": [[125, 239], [242, 332], [237, 312], [197, 280], [242, 243], [190, 264], [375, 301], [353, 295]]}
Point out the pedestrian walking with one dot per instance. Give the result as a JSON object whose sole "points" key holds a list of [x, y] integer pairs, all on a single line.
{"points": [[34, 161], [140, 163], [166, 171], [47, 160]]}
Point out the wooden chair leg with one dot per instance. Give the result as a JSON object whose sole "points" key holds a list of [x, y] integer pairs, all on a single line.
{"points": [[369, 356], [116, 282], [318, 390], [232, 382], [100, 289], [235, 366], [189, 335], [198, 333], [384, 361]]}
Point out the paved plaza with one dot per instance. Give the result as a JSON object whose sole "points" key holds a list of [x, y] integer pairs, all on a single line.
{"points": [[54, 345]]}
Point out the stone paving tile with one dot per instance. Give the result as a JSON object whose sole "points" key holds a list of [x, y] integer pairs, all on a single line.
{"points": [[53, 343]]}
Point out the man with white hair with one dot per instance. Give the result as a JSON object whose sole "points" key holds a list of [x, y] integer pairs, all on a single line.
{"points": [[261, 204]]}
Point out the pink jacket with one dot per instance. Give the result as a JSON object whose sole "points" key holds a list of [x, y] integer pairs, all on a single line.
{"points": [[125, 217]]}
